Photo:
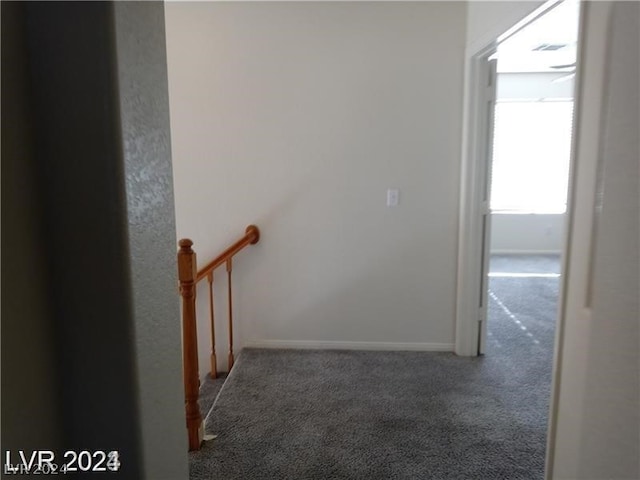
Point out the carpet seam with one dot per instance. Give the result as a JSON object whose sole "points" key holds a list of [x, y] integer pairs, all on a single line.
{"points": [[215, 400]]}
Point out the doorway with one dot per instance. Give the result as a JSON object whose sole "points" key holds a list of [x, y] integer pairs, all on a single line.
{"points": [[474, 248], [518, 170], [527, 183]]}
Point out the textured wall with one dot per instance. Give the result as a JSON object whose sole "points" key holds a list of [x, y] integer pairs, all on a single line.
{"points": [[144, 110]]}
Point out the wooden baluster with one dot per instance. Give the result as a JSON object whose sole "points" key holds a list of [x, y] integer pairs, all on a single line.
{"points": [[229, 269], [186, 276], [214, 366]]}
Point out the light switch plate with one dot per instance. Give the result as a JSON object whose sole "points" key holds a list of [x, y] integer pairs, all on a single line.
{"points": [[393, 197]]}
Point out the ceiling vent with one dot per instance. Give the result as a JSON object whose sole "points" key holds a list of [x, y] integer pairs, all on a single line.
{"points": [[549, 47]]}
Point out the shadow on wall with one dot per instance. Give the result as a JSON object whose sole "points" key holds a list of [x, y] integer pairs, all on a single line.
{"points": [[244, 266]]}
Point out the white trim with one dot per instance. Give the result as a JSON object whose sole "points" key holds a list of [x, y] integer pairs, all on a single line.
{"points": [[525, 252], [522, 275], [469, 227], [340, 345], [526, 212]]}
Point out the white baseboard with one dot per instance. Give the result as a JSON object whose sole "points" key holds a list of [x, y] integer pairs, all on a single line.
{"points": [[525, 252], [338, 345]]}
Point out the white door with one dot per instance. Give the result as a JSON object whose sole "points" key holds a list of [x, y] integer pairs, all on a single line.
{"points": [[488, 75]]}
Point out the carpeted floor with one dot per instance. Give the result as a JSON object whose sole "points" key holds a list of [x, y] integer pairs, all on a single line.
{"points": [[286, 414], [523, 310], [209, 391], [525, 263]]}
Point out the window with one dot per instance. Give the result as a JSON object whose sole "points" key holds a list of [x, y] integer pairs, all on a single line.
{"points": [[531, 153]]}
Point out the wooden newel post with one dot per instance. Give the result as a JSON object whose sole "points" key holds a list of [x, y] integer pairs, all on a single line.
{"points": [[187, 275]]}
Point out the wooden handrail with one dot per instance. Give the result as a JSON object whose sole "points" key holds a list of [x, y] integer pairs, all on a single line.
{"points": [[189, 276], [251, 237]]}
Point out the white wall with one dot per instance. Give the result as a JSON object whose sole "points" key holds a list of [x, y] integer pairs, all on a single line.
{"points": [[298, 117], [528, 233], [597, 396]]}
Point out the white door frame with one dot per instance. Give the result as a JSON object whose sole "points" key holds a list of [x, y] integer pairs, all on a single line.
{"points": [[570, 370], [473, 183]]}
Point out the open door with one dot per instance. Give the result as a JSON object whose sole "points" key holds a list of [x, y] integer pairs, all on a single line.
{"points": [[485, 154]]}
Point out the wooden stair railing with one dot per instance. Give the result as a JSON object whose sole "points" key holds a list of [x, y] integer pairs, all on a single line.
{"points": [[189, 276]]}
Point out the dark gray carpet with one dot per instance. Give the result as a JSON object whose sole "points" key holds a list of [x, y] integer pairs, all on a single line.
{"points": [[525, 263], [286, 414]]}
